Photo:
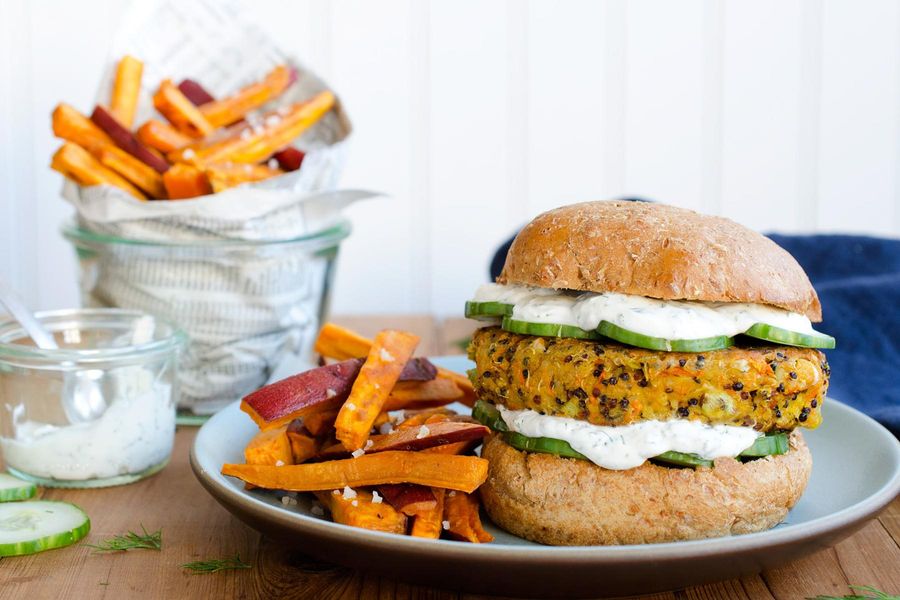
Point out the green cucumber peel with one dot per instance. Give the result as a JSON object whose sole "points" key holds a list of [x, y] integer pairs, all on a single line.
{"points": [[548, 329], [33, 526], [13, 489], [487, 311], [542, 444], [777, 335], [631, 338], [768, 445]]}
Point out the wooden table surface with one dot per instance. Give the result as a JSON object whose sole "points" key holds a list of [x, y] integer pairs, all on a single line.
{"points": [[195, 527]]}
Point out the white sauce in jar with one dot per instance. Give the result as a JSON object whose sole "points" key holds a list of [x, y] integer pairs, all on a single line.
{"points": [[134, 433], [629, 446], [669, 319]]}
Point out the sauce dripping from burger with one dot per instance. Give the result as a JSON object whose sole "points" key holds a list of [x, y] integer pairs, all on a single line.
{"points": [[668, 319]]}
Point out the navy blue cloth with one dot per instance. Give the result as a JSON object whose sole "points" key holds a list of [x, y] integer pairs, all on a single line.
{"points": [[858, 282]]}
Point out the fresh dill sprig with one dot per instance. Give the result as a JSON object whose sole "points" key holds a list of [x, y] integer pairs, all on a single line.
{"points": [[130, 541], [216, 565], [876, 594]]}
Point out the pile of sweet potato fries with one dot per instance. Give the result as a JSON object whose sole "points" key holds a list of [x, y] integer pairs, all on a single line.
{"points": [[370, 435], [206, 146]]}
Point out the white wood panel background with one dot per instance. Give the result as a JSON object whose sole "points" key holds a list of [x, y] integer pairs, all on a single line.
{"points": [[474, 115]]}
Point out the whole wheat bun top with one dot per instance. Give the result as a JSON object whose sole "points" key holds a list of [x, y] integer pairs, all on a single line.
{"points": [[659, 251]]}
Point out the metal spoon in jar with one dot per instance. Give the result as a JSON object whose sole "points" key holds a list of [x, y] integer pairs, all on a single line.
{"points": [[82, 397]]}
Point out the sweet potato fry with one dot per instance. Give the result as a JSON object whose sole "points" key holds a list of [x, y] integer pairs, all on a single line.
{"points": [[125, 140], [71, 125], [161, 136], [180, 111], [269, 448], [437, 389], [454, 448], [430, 524], [315, 390], [417, 418], [228, 175], [234, 108], [321, 389], [463, 473], [126, 89], [77, 164], [359, 510], [388, 355], [415, 438], [249, 144], [462, 515], [320, 423], [195, 92], [137, 172], [303, 446], [185, 181], [290, 158], [340, 343], [408, 498]]}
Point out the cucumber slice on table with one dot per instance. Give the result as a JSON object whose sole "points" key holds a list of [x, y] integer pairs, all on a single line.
{"points": [[487, 311], [548, 329], [13, 488], [777, 335], [37, 525], [654, 343]]}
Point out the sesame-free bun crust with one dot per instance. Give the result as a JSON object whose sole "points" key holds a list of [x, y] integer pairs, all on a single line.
{"points": [[572, 502], [660, 251]]}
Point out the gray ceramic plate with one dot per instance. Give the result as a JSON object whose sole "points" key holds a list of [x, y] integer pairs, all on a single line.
{"points": [[856, 473]]}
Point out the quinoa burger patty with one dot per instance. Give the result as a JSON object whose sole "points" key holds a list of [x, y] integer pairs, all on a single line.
{"points": [[765, 387]]}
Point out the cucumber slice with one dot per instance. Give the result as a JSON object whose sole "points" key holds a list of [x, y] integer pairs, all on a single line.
{"points": [[767, 445], [548, 329], [489, 416], [777, 335], [681, 459], [542, 444], [37, 525], [13, 488], [617, 333], [654, 343], [487, 311]]}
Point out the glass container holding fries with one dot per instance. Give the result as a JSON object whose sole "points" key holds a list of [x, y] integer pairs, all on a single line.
{"points": [[97, 411], [244, 304]]}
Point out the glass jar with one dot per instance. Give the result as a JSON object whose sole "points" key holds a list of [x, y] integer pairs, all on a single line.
{"points": [[98, 411], [245, 305]]}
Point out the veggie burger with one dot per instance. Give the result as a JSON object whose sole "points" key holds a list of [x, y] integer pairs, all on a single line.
{"points": [[646, 373]]}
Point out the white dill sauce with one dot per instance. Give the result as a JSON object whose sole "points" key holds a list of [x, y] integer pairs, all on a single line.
{"points": [[669, 319], [629, 446]]}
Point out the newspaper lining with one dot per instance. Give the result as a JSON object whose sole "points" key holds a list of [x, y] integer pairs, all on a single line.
{"points": [[245, 306]]}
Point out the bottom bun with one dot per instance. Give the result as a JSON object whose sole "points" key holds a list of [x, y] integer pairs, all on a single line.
{"points": [[571, 502]]}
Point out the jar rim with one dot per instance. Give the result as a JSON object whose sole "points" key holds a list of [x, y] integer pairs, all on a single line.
{"points": [[75, 233], [174, 340]]}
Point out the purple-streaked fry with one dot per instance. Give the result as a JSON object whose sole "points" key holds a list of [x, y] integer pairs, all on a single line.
{"points": [[126, 140]]}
